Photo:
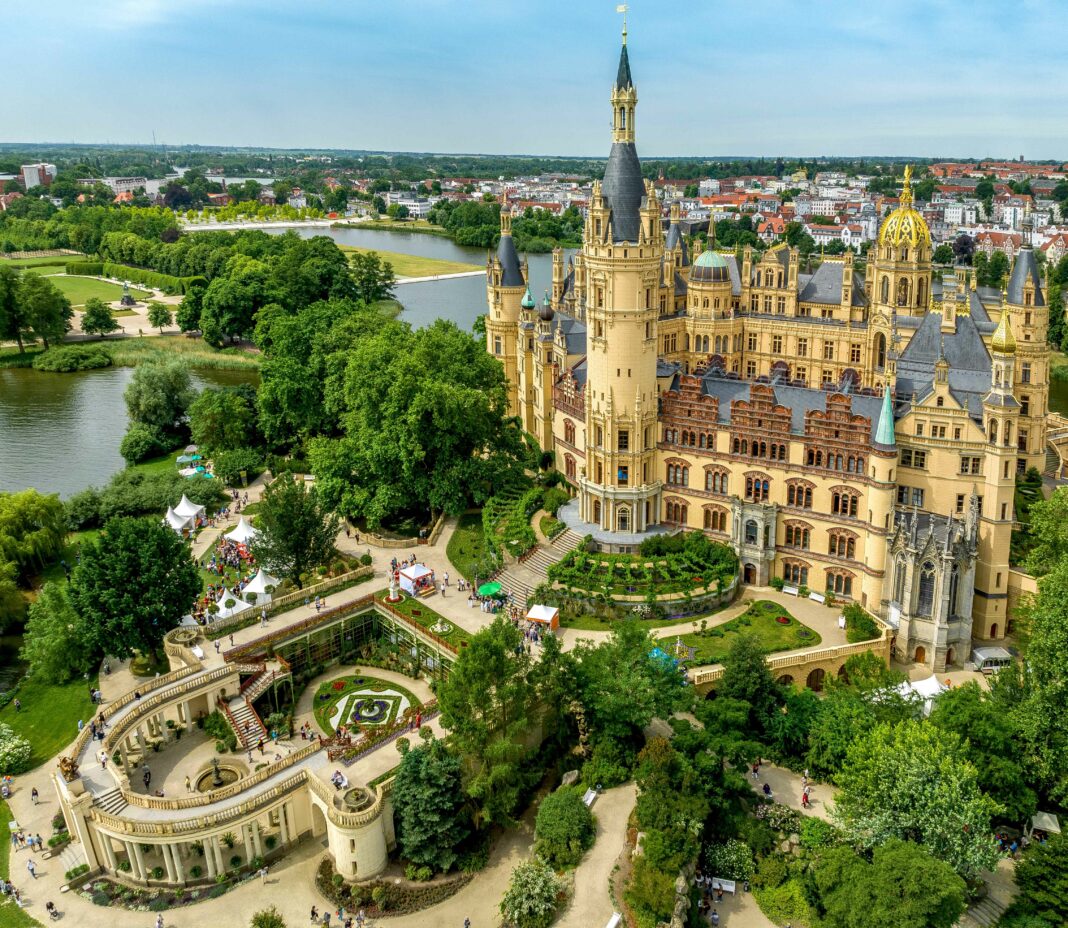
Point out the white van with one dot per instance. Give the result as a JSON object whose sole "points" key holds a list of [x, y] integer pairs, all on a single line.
{"points": [[990, 660]]}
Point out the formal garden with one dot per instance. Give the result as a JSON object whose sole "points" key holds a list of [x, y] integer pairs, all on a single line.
{"points": [[358, 700], [769, 623]]}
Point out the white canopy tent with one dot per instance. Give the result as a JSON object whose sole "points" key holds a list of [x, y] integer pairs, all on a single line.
{"points": [[242, 533], [544, 615], [927, 690], [415, 578], [259, 584], [176, 522], [188, 509], [239, 606], [1045, 821]]}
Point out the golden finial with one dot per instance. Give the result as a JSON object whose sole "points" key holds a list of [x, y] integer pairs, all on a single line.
{"points": [[1004, 341], [906, 187], [624, 9]]}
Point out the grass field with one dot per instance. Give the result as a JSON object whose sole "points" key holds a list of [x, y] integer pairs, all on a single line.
{"points": [[594, 623], [419, 226], [414, 265], [422, 614], [129, 352], [467, 546], [51, 263], [80, 289], [760, 621], [11, 916], [49, 716]]}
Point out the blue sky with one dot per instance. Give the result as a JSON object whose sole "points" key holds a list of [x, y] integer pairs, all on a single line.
{"points": [[912, 77]]}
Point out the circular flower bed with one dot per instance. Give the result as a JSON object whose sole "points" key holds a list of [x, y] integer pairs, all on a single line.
{"points": [[783, 620], [370, 710]]}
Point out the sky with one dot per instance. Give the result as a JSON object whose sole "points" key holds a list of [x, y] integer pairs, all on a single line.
{"points": [[932, 78]]}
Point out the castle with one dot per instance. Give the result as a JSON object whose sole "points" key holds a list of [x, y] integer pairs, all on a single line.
{"points": [[853, 431]]}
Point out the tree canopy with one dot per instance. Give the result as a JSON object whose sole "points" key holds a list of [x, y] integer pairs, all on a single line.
{"points": [[97, 318], [159, 395], [223, 419], [295, 532]]}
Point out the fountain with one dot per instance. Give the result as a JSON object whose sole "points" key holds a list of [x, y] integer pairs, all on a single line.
{"points": [[217, 776], [127, 299], [357, 799]]}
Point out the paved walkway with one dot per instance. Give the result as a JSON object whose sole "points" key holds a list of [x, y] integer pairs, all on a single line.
{"points": [[786, 790]]}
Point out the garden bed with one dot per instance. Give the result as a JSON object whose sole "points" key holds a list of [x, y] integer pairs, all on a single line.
{"points": [[368, 701], [761, 619], [420, 613], [381, 897]]}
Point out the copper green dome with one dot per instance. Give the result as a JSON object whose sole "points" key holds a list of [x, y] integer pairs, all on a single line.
{"points": [[710, 267], [528, 300]]}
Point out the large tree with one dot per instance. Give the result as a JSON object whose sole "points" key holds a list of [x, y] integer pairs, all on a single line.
{"points": [[488, 705], [913, 781], [133, 585], [46, 310], [13, 322], [425, 422], [1048, 527], [222, 420], [903, 886], [58, 645], [32, 529], [97, 318], [746, 676], [429, 799], [1042, 879], [295, 531], [373, 278], [159, 395], [12, 602], [159, 315]]}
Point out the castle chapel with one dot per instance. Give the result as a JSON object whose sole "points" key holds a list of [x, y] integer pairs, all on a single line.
{"points": [[857, 429]]}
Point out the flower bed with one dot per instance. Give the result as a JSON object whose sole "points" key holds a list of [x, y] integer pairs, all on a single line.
{"points": [[106, 892], [360, 699], [379, 897]]}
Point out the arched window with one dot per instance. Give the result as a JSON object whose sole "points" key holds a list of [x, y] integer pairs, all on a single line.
{"points": [[843, 503], [842, 545], [880, 346], [678, 475], [751, 532], [623, 519], [954, 591], [795, 572], [569, 431], [925, 602], [899, 580], [798, 535], [840, 583], [993, 431], [569, 466], [886, 289], [715, 519], [756, 488], [903, 292]]}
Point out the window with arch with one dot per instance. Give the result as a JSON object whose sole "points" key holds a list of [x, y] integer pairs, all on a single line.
{"points": [[844, 503], [597, 511], [752, 533], [678, 475], [899, 580], [795, 572], [798, 535], [715, 519], [623, 519], [716, 480], [675, 512], [843, 544], [756, 488], [569, 431], [993, 431], [799, 494], [925, 600], [840, 583], [885, 292], [569, 466], [954, 590]]}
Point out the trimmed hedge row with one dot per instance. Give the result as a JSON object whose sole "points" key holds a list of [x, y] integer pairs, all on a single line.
{"points": [[165, 282], [85, 268]]}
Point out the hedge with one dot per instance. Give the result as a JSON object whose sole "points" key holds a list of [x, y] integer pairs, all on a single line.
{"points": [[85, 268], [139, 275]]}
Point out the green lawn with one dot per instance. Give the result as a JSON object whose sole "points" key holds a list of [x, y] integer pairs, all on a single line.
{"points": [[80, 289], [330, 693], [594, 623], [759, 620], [129, 352], [466, 549], [54, 263], [422, 614], [49, 716], [414, 265], [11, 916], [75, 540]]}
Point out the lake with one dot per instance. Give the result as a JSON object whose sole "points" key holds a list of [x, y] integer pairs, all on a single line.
{"points": [[60, 433]]}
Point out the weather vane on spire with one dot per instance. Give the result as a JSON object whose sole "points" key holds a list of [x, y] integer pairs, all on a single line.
{"points": [[624, 9]]}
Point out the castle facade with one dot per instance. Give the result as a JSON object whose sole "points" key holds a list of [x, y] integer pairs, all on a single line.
{"points": [[855, 430]]}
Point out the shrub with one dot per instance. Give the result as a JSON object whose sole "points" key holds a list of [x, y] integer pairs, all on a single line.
{"points": [[164, 282], [732, 860], [159, 904], [270, 841], [474, 860], [235, 861], [15, 752], [777, 583], [771, 872], [268, 918], [784, 904], [64, 359], [196, 871], [124, 866], [229, 839], [140, 443], [85, 268], [82, 509], [417, 874], [859, 625], [101, 898], [564, 828], [378, 896], [156, 873], [229, 464], [530, 901], [554, 499], [365, 559], [608, 765], [57, 840], [216, 891], [75, 872]]}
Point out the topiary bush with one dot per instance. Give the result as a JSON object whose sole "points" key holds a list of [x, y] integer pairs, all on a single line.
{"points": [[564, 828]]}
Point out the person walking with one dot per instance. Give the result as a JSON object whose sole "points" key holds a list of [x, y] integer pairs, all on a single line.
{"points": [[159, 920], [188, 785], [263, 874], [314, 914], [34, 795], [32, 867], [18, 705]]}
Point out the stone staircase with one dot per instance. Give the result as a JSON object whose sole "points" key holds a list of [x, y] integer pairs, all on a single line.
{"points": [[261, 681], [519, 580], [240, 714], [983, 914], [111, 802]]}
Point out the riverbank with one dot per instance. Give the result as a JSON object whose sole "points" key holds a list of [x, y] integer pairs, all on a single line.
{"points": [[129, 351]]}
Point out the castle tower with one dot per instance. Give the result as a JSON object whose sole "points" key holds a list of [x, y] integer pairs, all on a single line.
{"points": [[622, 251], [884, 459], [1001, 413], [505, 284]]}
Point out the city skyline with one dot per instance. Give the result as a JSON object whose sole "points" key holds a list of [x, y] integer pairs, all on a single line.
{"points": [[922, 80]]}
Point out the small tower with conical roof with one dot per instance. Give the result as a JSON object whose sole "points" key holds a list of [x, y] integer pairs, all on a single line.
{"points": [[505, 283], [881, 494]]}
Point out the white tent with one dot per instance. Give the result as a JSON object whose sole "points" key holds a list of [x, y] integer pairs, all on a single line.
{"points": [[1047, 822], [415, 578], [239, 606], [176, 522], [187, 509], [927, 690], [259, 584], [242, 533], [545, 615]]}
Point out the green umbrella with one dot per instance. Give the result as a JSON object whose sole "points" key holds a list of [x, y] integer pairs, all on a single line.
{"points": [[489, 589]]}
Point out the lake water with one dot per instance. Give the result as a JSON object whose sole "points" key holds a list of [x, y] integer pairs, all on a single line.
{"points": [[60, 433]]}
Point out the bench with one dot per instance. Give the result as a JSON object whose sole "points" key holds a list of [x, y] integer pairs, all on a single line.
{"points": [[588, 799], [817, 597], [615, 921], [792, 590], [728, 886]]}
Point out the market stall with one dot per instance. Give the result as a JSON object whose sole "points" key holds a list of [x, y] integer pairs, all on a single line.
{"points": [[545, 616], [417, 580], [242, 533], [259, 585], [178, 523]]}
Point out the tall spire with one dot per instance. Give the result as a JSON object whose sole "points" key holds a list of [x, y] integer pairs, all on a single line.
{"points": [[906, 187], [624, 9], [623, 187], [884, 432]]}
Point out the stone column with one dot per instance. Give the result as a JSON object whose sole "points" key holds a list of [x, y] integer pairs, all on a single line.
{"points": [[142, 873], [209, 857], [125, 758], [109, 851], [168, 862], [245, 829], [220, 867], [255, 828], [282, 826]]}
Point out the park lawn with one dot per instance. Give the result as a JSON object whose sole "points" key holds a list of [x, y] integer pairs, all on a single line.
{"points": [[11, 916], [56, 261], [466, 549], [71, 546], [49, 716], [80, 289], [760, 621], [397, 225], [414, 265], [129, 352], [422, 614]]}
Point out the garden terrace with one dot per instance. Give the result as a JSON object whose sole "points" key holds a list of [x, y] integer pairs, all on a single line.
{"points": [[506, 521], [772, 625], [699, 567]]}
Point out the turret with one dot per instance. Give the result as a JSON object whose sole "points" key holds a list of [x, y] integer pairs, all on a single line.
{"points": [[505, 283]]}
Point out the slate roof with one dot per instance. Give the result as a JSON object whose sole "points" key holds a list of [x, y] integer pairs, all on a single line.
{"points": [[1025, 267], [675, 237], [969, 362], [825, 286], [623, 78], [623, 190], [574, 333], [511, 272]]}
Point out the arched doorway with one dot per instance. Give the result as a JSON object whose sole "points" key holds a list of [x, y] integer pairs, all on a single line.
{"points": [[950, 657], [843, 674], [785, 680], [921, 655], [994, 630], [815, 680], [749, 574], [623, 519], [318, 821]]}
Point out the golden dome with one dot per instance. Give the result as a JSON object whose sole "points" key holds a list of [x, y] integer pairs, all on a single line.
{"points": [[1004, 342], [905, 225]]}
